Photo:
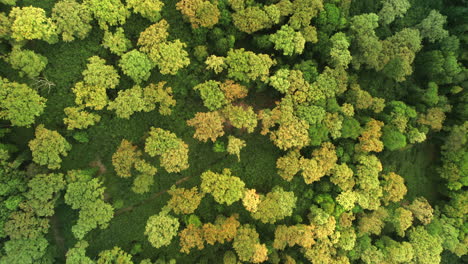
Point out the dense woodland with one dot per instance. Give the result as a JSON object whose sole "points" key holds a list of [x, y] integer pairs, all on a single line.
{"points": [[233, 131]]}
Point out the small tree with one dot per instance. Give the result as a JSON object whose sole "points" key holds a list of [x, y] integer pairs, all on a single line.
{"points": [[160, 229], [19, 104], [207, 126], [184, 201], [199, 12], [150, 9], [73, 20], [136, 65], [77, 118], [27, 62], [30, 23], [116, 42], [48, 146], [108, 12], [224, 187]]}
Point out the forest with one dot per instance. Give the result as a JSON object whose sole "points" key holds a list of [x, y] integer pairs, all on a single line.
{"points": [[233, 131]]}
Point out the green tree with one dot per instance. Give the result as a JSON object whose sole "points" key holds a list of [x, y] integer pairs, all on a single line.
{"points": [[30, 23], [211, 94], [145, 179], [427, 248], [303, 12], [255, 18], [150, 9], [48, 146], [77, 118], [173, 151], [392, 138], [116, 42], [92, 215], [97, 73], [108, 12], [224, 187], [339, 53], [128, 102], [19, 104], [160, 229], [43, 189], [247, 66], [275, 206], [366, 46], [241, 117], [288, 40], [247, 244], [24, 251], [136, 65], [171, 56], [392, 9], [73, 20], [27, 62], [432, 27], [115, 255], [77, 254]]}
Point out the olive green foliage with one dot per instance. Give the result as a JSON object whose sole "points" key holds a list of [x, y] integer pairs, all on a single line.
{"points": [[87, 194], [116, 42], [150, 9], [247, 66], [288, 40], [73, 20], [43, 190], [173, 151], [27, 62], [48, 146], [432, 27], [275, 206], [169, 56], [252, 19], [211, 94], [392, 9], [160, 229], [19, 104], [108, 12], [136, 65], [30, 23], [224, 187], [77, 118]]}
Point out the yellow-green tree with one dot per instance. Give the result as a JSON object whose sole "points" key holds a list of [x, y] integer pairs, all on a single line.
{"points": [[48, 146], [73, 19], [19, 104], [235, 145], [225, 188], [30, 23], [150, 9], [173, 151]]}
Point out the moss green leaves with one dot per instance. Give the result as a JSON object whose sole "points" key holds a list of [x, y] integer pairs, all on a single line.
{"points": [[19, 104], [48, 146]]}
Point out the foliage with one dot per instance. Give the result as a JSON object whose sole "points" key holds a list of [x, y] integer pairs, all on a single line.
{"points": [[19, 104], [108, 12], [160, 229], [30, 23], [136, 65], [199, 12], [73, 20], [48, 146], [173, 151], [224, 187], [207, 126], [116, 42], [150, 9], [27, 62], [288, 40], [77, 118]]}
